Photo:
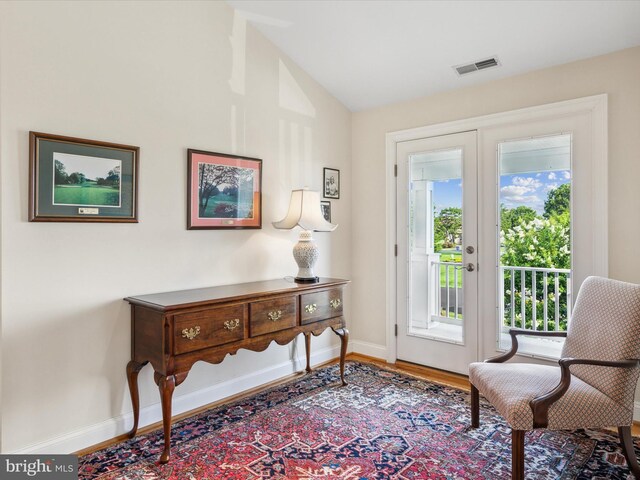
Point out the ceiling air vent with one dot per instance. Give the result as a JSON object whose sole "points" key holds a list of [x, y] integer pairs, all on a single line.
{"points": [[475, 66]]}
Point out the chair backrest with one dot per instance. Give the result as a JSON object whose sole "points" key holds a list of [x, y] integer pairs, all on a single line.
{"points": [[605, 325]]}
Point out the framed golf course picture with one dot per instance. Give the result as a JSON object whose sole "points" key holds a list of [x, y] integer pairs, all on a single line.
{"points": [[78, 180], [223, 191]]}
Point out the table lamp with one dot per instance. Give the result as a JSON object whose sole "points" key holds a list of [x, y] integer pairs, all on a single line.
{"points": [[305, 212]]}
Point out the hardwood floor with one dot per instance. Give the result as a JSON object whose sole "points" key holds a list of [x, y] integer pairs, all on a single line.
{"points": [[427, 373], [430, 374]]}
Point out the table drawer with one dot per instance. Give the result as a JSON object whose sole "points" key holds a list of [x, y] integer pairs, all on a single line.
{"points": [[272, 315], [198, 330], [321, 305]]}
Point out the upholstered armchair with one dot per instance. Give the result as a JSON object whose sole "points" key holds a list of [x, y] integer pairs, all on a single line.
{"points": [[593, 385]]}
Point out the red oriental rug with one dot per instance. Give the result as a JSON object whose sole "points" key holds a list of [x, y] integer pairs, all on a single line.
{"points": [[383, 425]]}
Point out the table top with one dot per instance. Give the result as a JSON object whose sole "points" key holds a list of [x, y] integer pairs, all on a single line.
{"points": [[210, 295]]}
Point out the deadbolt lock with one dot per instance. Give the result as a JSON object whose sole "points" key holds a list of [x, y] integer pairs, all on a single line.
{"points": [[470, 249]]}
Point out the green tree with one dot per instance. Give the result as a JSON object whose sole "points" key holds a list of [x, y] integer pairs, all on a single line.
{"points": [[76, 178], [113, 177], [230, 191], [511, 217], [61, 177], [558, 201], [447, 225]]}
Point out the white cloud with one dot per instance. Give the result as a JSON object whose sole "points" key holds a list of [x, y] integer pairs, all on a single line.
{"points": [[566, 174], [531, 201], [525, 199], [527, 182], [538, 174], [512, 191], [551, 186], [552, 176]]}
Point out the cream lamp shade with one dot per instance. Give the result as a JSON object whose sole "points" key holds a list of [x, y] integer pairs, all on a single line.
{"points": [[304, 212]]}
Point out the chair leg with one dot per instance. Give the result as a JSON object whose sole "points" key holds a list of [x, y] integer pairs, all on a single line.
{"points": [[626, 442], [517, 454], [475, 407]]}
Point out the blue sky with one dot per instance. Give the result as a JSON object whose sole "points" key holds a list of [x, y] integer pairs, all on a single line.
{"points": [[529, 189], [447, 193]]}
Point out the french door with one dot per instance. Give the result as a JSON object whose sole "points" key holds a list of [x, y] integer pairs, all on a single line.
{"points": [[496, 228], [536, 267], [437, 275]]}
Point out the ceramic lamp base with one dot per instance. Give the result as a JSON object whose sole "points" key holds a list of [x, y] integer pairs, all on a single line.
{"points": [[305, 253]]}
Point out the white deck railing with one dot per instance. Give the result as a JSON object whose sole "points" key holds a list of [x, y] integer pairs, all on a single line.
{"points": [[448, 295], [532, 298], [535, 298]]}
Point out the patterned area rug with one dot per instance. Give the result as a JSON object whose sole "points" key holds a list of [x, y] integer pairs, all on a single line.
{"points": [[383, 425]]}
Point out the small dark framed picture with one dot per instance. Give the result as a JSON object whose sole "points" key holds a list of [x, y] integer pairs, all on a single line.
{"points": [[224, 191], [77, 180], [325, 206], [331, 183]]}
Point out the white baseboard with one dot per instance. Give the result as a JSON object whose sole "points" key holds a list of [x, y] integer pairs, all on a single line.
{"points": [[100, 432], [370, 349], [636, 411]]}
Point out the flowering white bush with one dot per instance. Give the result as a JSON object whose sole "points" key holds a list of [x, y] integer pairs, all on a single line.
{"points": [[540, 243], [543, 243]]}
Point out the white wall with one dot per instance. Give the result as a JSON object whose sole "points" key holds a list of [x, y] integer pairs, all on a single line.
{"points": [[165, 76], [616, 74]]}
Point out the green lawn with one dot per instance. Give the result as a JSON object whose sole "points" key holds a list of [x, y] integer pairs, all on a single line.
{"points": [[226, 206], [450, 255], [87, 193], [453, 256]]}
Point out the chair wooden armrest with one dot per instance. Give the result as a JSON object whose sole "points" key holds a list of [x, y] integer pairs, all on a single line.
{"points": [[514, 332], [540, 405]]}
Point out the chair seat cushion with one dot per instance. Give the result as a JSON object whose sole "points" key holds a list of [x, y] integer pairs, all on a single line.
{"points": [[510, 386]]}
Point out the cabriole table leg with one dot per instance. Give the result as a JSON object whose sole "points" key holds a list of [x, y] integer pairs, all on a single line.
{"points": [[307, 348], [166, 385], [343, 333], [133, 368]]}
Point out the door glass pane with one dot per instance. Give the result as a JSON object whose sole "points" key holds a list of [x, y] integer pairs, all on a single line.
{"points": [[535, 240], [435, 242]]}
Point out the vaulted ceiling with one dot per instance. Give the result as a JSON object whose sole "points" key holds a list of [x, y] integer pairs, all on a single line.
{"points": [[372, 53]]}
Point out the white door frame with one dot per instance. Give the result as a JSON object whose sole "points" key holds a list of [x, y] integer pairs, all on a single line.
{"points": [[595, 106]]}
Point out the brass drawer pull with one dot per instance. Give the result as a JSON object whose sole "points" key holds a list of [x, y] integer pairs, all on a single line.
{"points": [[232, 324], [274, 315], [335, 303], [311, 308], [191, 333]]}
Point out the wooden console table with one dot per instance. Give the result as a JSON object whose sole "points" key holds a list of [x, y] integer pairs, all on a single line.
{"points": [[174, 330]]}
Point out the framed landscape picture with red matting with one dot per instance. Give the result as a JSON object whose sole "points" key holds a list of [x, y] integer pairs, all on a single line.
{"points": [[223, 191]]}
